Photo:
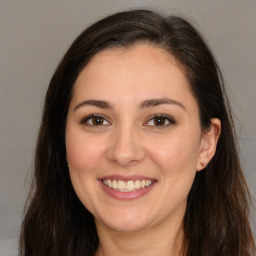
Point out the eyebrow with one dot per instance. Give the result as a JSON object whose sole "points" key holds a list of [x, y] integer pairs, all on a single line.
{"points": [[96, 103], [145, 104], [155, 102]]}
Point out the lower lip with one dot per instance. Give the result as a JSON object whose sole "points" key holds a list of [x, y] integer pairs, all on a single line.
{"points": [[126, 195]]}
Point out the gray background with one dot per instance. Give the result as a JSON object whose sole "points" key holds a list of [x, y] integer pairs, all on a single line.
{"points": [[35, 34]]}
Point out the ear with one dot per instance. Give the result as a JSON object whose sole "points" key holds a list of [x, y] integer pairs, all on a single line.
{"points": [[208, 144]]}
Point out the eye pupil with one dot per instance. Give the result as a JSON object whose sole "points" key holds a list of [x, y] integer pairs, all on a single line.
{"points": [[159, 121], [97, 120]]}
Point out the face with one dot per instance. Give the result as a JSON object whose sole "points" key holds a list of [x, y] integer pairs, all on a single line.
{"points": [[133, 138]]}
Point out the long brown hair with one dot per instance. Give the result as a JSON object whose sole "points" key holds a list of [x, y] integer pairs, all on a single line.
{"points": [[216, 219]]}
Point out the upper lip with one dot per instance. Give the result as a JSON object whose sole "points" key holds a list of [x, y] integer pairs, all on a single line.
{"points": [[126, 178]]}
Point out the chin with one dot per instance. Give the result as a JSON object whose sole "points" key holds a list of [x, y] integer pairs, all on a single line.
{"points": [[123, 222]]}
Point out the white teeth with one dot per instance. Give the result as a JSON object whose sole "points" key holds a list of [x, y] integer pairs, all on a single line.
{"points": [[128, 186], [109, 183], [114, 184], [137, 184], [121, 185], [147, 183]]}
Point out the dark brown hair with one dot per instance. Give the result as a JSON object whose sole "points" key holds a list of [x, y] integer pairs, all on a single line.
{"points": [[216, 219]]}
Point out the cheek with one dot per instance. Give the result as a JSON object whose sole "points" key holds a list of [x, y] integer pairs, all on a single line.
{"points": [[83, 152], [176, 153], [83, 156]]}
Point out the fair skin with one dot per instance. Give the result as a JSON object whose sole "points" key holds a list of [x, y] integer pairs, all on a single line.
{"points": [[145, 129]]}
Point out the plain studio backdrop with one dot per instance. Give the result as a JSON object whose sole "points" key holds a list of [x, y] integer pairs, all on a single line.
{"points": [[34, 35]]}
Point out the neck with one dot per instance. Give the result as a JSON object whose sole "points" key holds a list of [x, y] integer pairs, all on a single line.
{"points": [[159, 240]]}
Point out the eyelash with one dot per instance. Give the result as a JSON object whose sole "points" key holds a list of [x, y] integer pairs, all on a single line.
{"points": [[163, 117], [170, 120], [86, 119]]}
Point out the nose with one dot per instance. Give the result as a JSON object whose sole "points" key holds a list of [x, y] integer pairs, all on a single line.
{"points": [[126, 147]]}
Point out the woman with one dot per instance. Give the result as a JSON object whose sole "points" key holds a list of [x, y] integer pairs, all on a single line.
{"points": [[137, 153]]}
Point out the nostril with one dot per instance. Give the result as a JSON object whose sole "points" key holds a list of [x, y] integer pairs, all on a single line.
{"points": [[125, 149], [124, 162]]}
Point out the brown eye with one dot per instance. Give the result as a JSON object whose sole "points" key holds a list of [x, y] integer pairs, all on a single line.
{"points": [[95, 120], [161, 120], [158, 121]]}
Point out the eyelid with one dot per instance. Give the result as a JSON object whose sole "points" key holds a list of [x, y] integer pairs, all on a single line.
{"points": [[170, 119], [85, 119]]}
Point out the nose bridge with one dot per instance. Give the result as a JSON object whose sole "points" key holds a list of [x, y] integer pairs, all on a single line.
{"points": [[125, 147]]}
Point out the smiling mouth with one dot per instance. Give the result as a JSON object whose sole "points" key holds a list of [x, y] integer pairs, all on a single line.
{"points": [[127, 186]]}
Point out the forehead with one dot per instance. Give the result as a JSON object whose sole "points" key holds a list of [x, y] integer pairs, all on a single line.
{"points": [[136, 72], [141, 57], [146, 52]]}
